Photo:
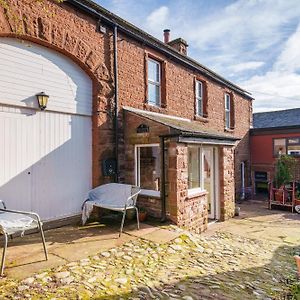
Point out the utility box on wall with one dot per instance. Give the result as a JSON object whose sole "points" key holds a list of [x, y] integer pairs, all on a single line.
{"points": [[109, 167]]}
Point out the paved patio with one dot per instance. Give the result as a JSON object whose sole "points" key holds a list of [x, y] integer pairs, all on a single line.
{"points": [[25, 256], [248, 257]]}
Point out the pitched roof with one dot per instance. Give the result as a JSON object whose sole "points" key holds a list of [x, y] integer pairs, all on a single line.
{"points": [[147, 39], [273, 119], [182, 126]]}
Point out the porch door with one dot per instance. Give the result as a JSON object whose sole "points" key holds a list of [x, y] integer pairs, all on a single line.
{"points": [[209, 177]]}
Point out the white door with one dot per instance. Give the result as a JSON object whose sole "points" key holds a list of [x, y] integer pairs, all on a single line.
{"points": [[45, 156], [210, 181]]}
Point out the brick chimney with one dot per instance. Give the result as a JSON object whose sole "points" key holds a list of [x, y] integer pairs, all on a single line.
{"points": [[179, 44], [167, 36]]}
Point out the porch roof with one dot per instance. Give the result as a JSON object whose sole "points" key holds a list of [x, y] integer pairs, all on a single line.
{"points": [[186, 130]]}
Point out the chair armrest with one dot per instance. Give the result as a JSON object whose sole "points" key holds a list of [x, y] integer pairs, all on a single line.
{"points": [[132, 196], [36, 216], [3, 204]]}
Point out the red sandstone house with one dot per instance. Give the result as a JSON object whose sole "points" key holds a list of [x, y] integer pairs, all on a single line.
{"points": [[122, 106], [273, 133]]}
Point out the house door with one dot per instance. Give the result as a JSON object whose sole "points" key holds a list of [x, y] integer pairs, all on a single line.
{"points": [[209, 174]]}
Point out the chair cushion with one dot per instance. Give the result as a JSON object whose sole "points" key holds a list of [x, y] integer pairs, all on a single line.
{"points": [[14, 222]]}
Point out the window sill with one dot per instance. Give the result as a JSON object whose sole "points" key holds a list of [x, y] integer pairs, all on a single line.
{"points": [[201, 119], [193, 193], [150, 193], [229, 130], [154, 107]]}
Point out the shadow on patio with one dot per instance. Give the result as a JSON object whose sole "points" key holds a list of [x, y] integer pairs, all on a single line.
{"points": [[71, 243]]}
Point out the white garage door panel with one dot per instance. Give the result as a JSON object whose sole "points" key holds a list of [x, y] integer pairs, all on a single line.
{"points": [[64, 172], [15, 184], [45, 156], [46, 161], [33, 69]]}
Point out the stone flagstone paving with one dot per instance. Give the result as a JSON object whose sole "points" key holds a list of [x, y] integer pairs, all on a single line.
{"points": [[221, 266]]}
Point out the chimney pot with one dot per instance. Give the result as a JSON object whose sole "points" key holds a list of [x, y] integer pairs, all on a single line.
{"points": [[166, 36]]}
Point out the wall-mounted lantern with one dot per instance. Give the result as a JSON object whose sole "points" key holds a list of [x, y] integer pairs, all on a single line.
{"points": [[42, 100]]}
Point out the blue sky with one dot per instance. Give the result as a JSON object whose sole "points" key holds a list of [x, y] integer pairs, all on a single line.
{"points": [[254, 43]]}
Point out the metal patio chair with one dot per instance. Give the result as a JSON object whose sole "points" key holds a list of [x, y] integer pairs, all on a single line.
{"points": [[113, 196], [15, 222]]}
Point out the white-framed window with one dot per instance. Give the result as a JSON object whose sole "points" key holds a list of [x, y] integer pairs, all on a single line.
{"points": [[227, 110], [199, 98], [195, 170], [148, 168], [154, 82]]}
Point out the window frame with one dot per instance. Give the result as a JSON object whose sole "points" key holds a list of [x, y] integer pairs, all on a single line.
{"points": [[227, 110], [137, 179], [287, 144], [155, 83], [273, 144], [199, 98], [200, 189]]}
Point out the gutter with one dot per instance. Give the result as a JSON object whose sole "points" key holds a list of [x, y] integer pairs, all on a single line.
{"points": [[162, 48]]}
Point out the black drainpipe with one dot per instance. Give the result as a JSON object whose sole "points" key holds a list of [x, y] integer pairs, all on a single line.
{"points": [[163, 180], [116, 125]]}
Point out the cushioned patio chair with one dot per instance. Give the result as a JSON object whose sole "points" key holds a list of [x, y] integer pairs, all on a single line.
{"points": [[112, 196], [17, 222]]}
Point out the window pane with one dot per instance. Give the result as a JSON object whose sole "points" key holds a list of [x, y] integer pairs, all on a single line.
{"points": [[149, 168], [293, 141], [199, 107], [294, 150], [198, 89], [153, 93], [227, 102], [227, 119], [193, 168], [153, 71], [279, 147]]}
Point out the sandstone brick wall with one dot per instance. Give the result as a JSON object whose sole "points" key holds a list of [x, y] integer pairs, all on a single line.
{"points": [[227, 187], [75, 35], [189, 213]]}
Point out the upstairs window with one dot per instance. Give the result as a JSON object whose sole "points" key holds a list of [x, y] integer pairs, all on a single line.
{"points": [[199, 98], [283, 146], [154, 82], [293, 146], [227, 111], [279, 147]]}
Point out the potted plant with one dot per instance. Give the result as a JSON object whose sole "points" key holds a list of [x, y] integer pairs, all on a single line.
{"points": [[142, 214], [297, 194], [285, 166], [130, 214]]}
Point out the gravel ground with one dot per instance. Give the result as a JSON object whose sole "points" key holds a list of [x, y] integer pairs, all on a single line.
{"points": [[221, 266]]}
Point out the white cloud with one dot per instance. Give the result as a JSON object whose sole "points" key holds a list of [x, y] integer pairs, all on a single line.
{"points": [[274, 90], [289, 59], [255, 43], [157, 20], [279, 88], [244, 66]]}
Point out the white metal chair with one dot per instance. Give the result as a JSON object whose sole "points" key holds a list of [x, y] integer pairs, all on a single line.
{"points": [[13, 222], [113, 196]]}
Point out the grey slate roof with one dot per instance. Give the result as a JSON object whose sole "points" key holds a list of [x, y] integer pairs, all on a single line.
{"points": [[273, 119], [180, 125]]}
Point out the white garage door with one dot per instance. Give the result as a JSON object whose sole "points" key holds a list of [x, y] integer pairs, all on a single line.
{"points": [[45, 156]]}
